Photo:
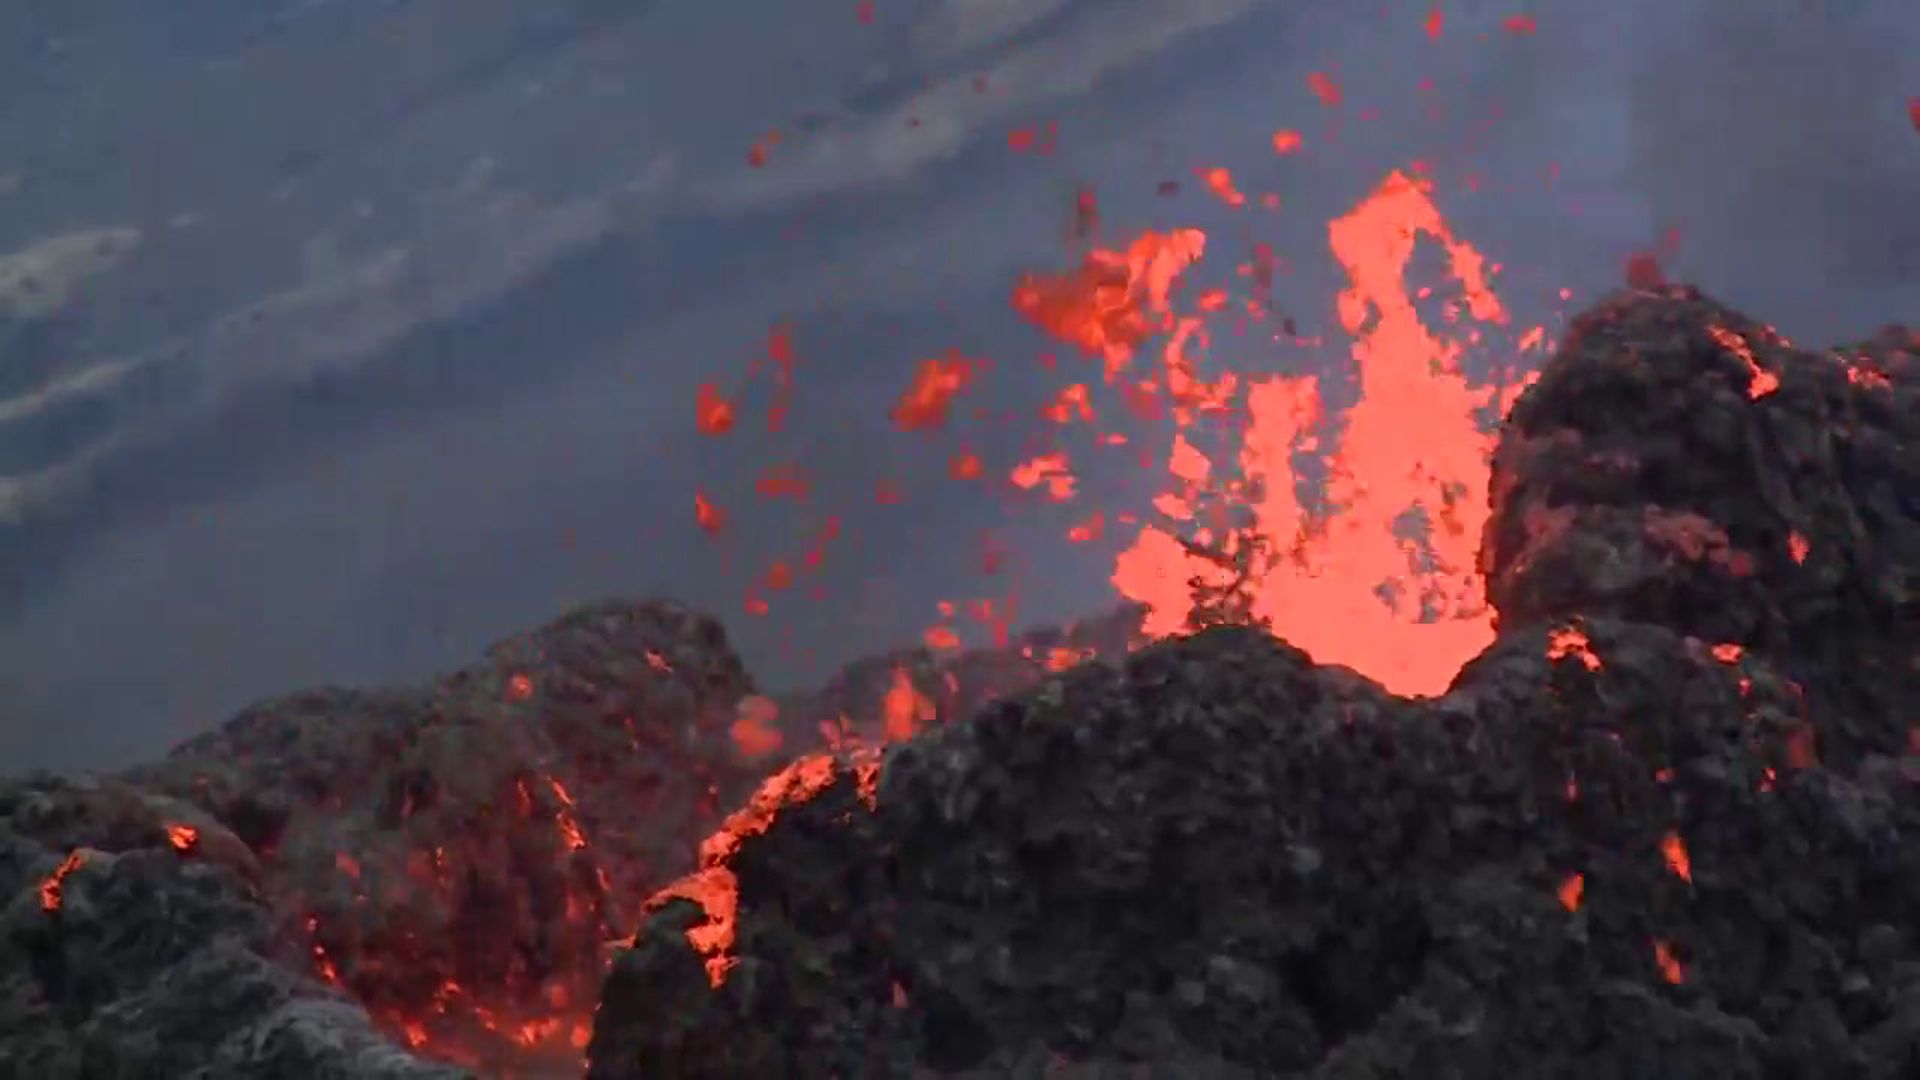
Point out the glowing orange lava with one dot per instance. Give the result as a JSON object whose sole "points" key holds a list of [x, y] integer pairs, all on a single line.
{"points": [[1570, 891], [1668, 964], [925, 403], [754, 729], [52, 888], [714, 887], [1572, 641], [904, 709], [1384, 580], [1674, 850], [712, 413]]}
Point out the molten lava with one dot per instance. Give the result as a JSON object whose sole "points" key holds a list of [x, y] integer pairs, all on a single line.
{"points": [[714, 888], [1383, 578], [53, 886]]}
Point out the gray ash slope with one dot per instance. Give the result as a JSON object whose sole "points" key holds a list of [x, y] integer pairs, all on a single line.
{"points": [[1666, 825]]}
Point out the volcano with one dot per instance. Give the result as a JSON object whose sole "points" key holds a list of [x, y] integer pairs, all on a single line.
{"points": [[1665, 823]]}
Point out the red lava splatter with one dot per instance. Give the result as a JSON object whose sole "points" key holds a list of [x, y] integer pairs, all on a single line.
{"points": [[1674, 850], [779, 576], [1049, 472], [1070, 404], [1436, 22], [1643, 271], [925, 403], [1115, 301], [1570, 891], [1220, 181], [1667, 963], [1913, 112], [1521, 25], [1797, 547], [762, 149], [755, 730], [1322, 86], [1572, 641], [182, 837], [1286, 141], [710, 517], [904, 710], [519, 688], [712, 412]]}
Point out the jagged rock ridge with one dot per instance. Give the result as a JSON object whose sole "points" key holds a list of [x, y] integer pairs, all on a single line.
{"points": [[1666, 825], [358, 883]]}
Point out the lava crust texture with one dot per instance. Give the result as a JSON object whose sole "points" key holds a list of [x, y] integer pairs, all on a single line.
{"points": [[1666, 825]]}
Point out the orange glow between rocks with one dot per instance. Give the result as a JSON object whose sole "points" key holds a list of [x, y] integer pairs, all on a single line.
{"points": [[1570, 891], [52, 887], [904, 709], [1674, 850], [1669, 965], [714, 887], [1572, 641], [925, 403]]}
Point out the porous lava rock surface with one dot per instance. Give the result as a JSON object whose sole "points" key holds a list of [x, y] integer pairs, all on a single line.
{"points": [[1666, 825], [124, 955], [453, 859], [373, 883], [1663, 826]]}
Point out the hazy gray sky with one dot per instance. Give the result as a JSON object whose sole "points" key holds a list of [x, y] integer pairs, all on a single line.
{"points": [[340, 338]]}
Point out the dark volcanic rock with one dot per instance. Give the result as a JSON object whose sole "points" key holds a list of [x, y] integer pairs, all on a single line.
{"points": [[1665, 826], [882, 698], [458, 857], [1657, 474], [440, 868], [133, 944]]}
